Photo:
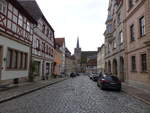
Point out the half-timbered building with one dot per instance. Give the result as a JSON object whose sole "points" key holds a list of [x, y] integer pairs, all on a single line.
{"points": [[16, 32], [43, 41]]}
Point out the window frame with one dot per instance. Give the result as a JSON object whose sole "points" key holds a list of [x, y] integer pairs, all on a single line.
{"points": [[132, 33], [16, 64], [130, 4], [121, 37], [133, 64], [143, 64], [142, 26], [3, 7], [20, 20]]}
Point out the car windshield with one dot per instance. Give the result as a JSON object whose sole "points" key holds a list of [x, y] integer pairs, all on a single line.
{"points": [[111, 78]]}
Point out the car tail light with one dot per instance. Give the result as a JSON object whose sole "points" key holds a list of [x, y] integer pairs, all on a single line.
{"points": [[119, 81], [104, 81]]}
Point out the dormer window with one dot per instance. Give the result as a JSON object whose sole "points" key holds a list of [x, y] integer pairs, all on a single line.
{"points": [[3, 6]]}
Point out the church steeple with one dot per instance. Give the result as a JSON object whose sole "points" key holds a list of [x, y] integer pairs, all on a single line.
{"points": [[77, 55], [78, 43]]}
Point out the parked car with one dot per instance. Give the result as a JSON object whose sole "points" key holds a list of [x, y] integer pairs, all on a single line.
{"points": [[109, 82], [90, 76], [72, 75], [77, 74], [95, 76]]}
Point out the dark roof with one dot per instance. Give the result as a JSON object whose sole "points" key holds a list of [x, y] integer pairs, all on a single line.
{"points": [[88, 53], [17, 4], [33, 9], [67, 51], [59, 41]]}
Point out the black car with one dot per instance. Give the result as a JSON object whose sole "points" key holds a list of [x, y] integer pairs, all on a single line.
{"points": [[109, 82], [95, 77], [77, 74], [72, 75]]}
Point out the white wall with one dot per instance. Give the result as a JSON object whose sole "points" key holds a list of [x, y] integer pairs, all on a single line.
{"points": [[6, 74]]}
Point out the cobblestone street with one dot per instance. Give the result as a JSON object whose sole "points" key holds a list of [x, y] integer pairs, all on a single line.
{"points": [[75, 95]]}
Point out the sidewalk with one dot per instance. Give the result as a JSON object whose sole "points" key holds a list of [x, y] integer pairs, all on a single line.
{"points": [[25, 88], [137, 93]]}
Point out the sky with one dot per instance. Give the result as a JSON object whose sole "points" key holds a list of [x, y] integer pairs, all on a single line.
{"points": [[77, 18]]}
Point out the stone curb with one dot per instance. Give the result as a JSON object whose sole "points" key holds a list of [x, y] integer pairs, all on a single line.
{"points": [[30, 91], [135, 96]]}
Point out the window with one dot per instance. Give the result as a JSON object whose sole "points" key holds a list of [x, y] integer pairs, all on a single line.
{"points": [[108, 48], [3, 7], [49, 51], [46, 49], [133, 63], [9, 58], [43, 47], [130, 3], [37, 44], [47, 68], [121, 37], [142, 26], [109, 28], [52, 52], [43, 28], [16, 60], [132, 35], [28, 26], [114, 45], [47, 32], [118, 18], [143, 63], [21, 62], [20, 20], [26, 60]]}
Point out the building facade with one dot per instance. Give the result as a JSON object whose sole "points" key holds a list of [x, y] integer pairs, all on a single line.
{"points": [[16, 33], [62, 47], [57, 60], [114, 40], [134, 37], [70, 63], [42, 43], [137, 27], [87, 58], [91, 66], [100, 59]]}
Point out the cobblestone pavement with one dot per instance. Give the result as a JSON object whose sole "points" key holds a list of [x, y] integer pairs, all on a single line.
{"points": [[76, 95]]}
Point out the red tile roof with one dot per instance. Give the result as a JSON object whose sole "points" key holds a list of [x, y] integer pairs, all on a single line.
{"points": [[59, 41], [92, 62]]}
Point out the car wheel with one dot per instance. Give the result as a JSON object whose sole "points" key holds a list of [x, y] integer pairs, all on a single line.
{"points": [[98, 84], [119, 89], [102, 87]]}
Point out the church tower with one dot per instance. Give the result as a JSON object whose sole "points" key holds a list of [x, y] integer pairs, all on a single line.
{"points": [[77, 54]]}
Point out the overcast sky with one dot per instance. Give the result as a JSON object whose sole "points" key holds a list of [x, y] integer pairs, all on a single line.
{"points": [[73, 18]]}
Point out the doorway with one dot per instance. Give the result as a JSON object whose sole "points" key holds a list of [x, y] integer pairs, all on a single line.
{"points": [[1, 55], [122, 77]]}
